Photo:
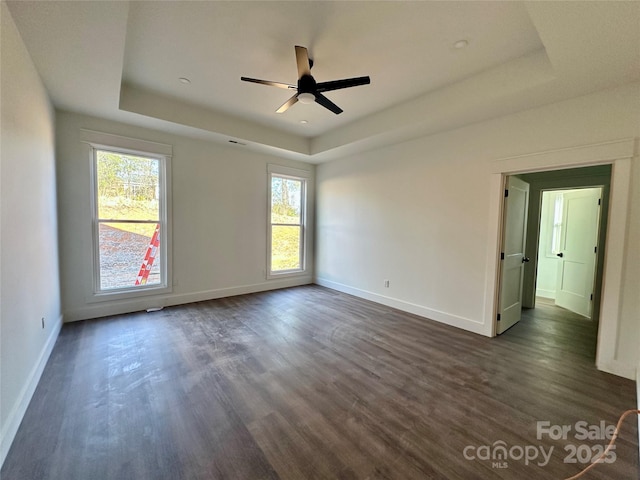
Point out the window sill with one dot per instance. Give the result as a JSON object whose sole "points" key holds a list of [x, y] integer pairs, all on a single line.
{"points": [[286, 274], [128, 294]]}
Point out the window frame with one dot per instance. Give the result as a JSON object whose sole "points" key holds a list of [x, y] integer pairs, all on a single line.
{"points": [[554, 229], [557, 225], [304, 177], [140, 148]]}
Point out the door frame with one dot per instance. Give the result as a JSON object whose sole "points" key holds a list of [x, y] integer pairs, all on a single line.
{"points": [[571, 182], [600, 240], [619, 155]]}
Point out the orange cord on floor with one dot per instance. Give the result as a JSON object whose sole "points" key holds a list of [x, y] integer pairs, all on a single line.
{"points": [[609, 447]]}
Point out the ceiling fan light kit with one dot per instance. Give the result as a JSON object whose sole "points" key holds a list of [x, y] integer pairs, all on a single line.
{"points": [[306, 98], [308, 90]]}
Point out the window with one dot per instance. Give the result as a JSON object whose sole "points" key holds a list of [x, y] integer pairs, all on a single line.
{"points": [[557, 224], [130, 221], [287, 216]]}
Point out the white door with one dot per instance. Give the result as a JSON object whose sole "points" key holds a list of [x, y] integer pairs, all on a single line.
{"points": [[516, 203], [578, 247]]}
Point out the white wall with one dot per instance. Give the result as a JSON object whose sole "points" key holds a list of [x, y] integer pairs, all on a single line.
{"points": [[219, 204], [546, 279], [420, 213], [29, 283]]}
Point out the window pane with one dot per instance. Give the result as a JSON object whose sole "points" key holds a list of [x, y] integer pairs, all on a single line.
{"points": [[285, 248], [286, 194], [557, 223], [128, 187], [123, 251]]}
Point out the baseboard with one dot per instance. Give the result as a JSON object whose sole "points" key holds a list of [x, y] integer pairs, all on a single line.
{"points": [[138, 304], [550, 294], [240, 290], [18, 410], [437, 315]]}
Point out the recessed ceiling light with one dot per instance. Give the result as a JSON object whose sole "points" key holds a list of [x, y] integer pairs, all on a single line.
{"points": [[184, 80], [304, 122], [461, 44]]}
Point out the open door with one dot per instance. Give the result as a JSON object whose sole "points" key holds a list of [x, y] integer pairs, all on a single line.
{"points": [[578, 250], [516, 205]]}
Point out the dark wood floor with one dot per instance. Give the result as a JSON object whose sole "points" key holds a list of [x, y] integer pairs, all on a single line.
{"points": [[308, 383]]}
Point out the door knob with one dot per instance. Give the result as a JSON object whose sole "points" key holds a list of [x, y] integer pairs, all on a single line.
{"points": [[525, 259], [560, 254]]}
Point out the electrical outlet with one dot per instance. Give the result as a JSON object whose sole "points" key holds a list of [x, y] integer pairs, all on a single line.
{"points": [[42, 322], [386, 283]]}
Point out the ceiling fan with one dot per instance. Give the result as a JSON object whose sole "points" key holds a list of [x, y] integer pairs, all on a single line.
{"points": [[308, 90]]}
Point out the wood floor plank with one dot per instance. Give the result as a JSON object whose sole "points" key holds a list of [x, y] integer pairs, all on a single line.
{"points": [[311, 383]]}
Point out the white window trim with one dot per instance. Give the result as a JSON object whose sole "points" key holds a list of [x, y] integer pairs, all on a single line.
{"points": [[296, 174], [550, 223], [160, 152]]}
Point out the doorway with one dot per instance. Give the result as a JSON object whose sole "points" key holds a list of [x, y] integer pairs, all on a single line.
{"points": [[567, 248], [617, 156], [550, 265]]}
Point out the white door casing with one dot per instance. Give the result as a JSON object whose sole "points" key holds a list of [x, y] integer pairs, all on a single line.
{"points": [[516, 203], [621, 154], [578, 254]]}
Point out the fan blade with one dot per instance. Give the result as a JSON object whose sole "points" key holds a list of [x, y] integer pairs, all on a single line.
{"points": [[328, 104], [267, 82], [285, 106], [302, 58], [346, 83]]}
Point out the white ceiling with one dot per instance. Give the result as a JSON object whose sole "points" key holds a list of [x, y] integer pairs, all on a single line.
{"points": [[122, 61]]}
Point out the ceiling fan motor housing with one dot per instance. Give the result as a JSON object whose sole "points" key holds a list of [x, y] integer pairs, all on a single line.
{"points": [[307, 84]]}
